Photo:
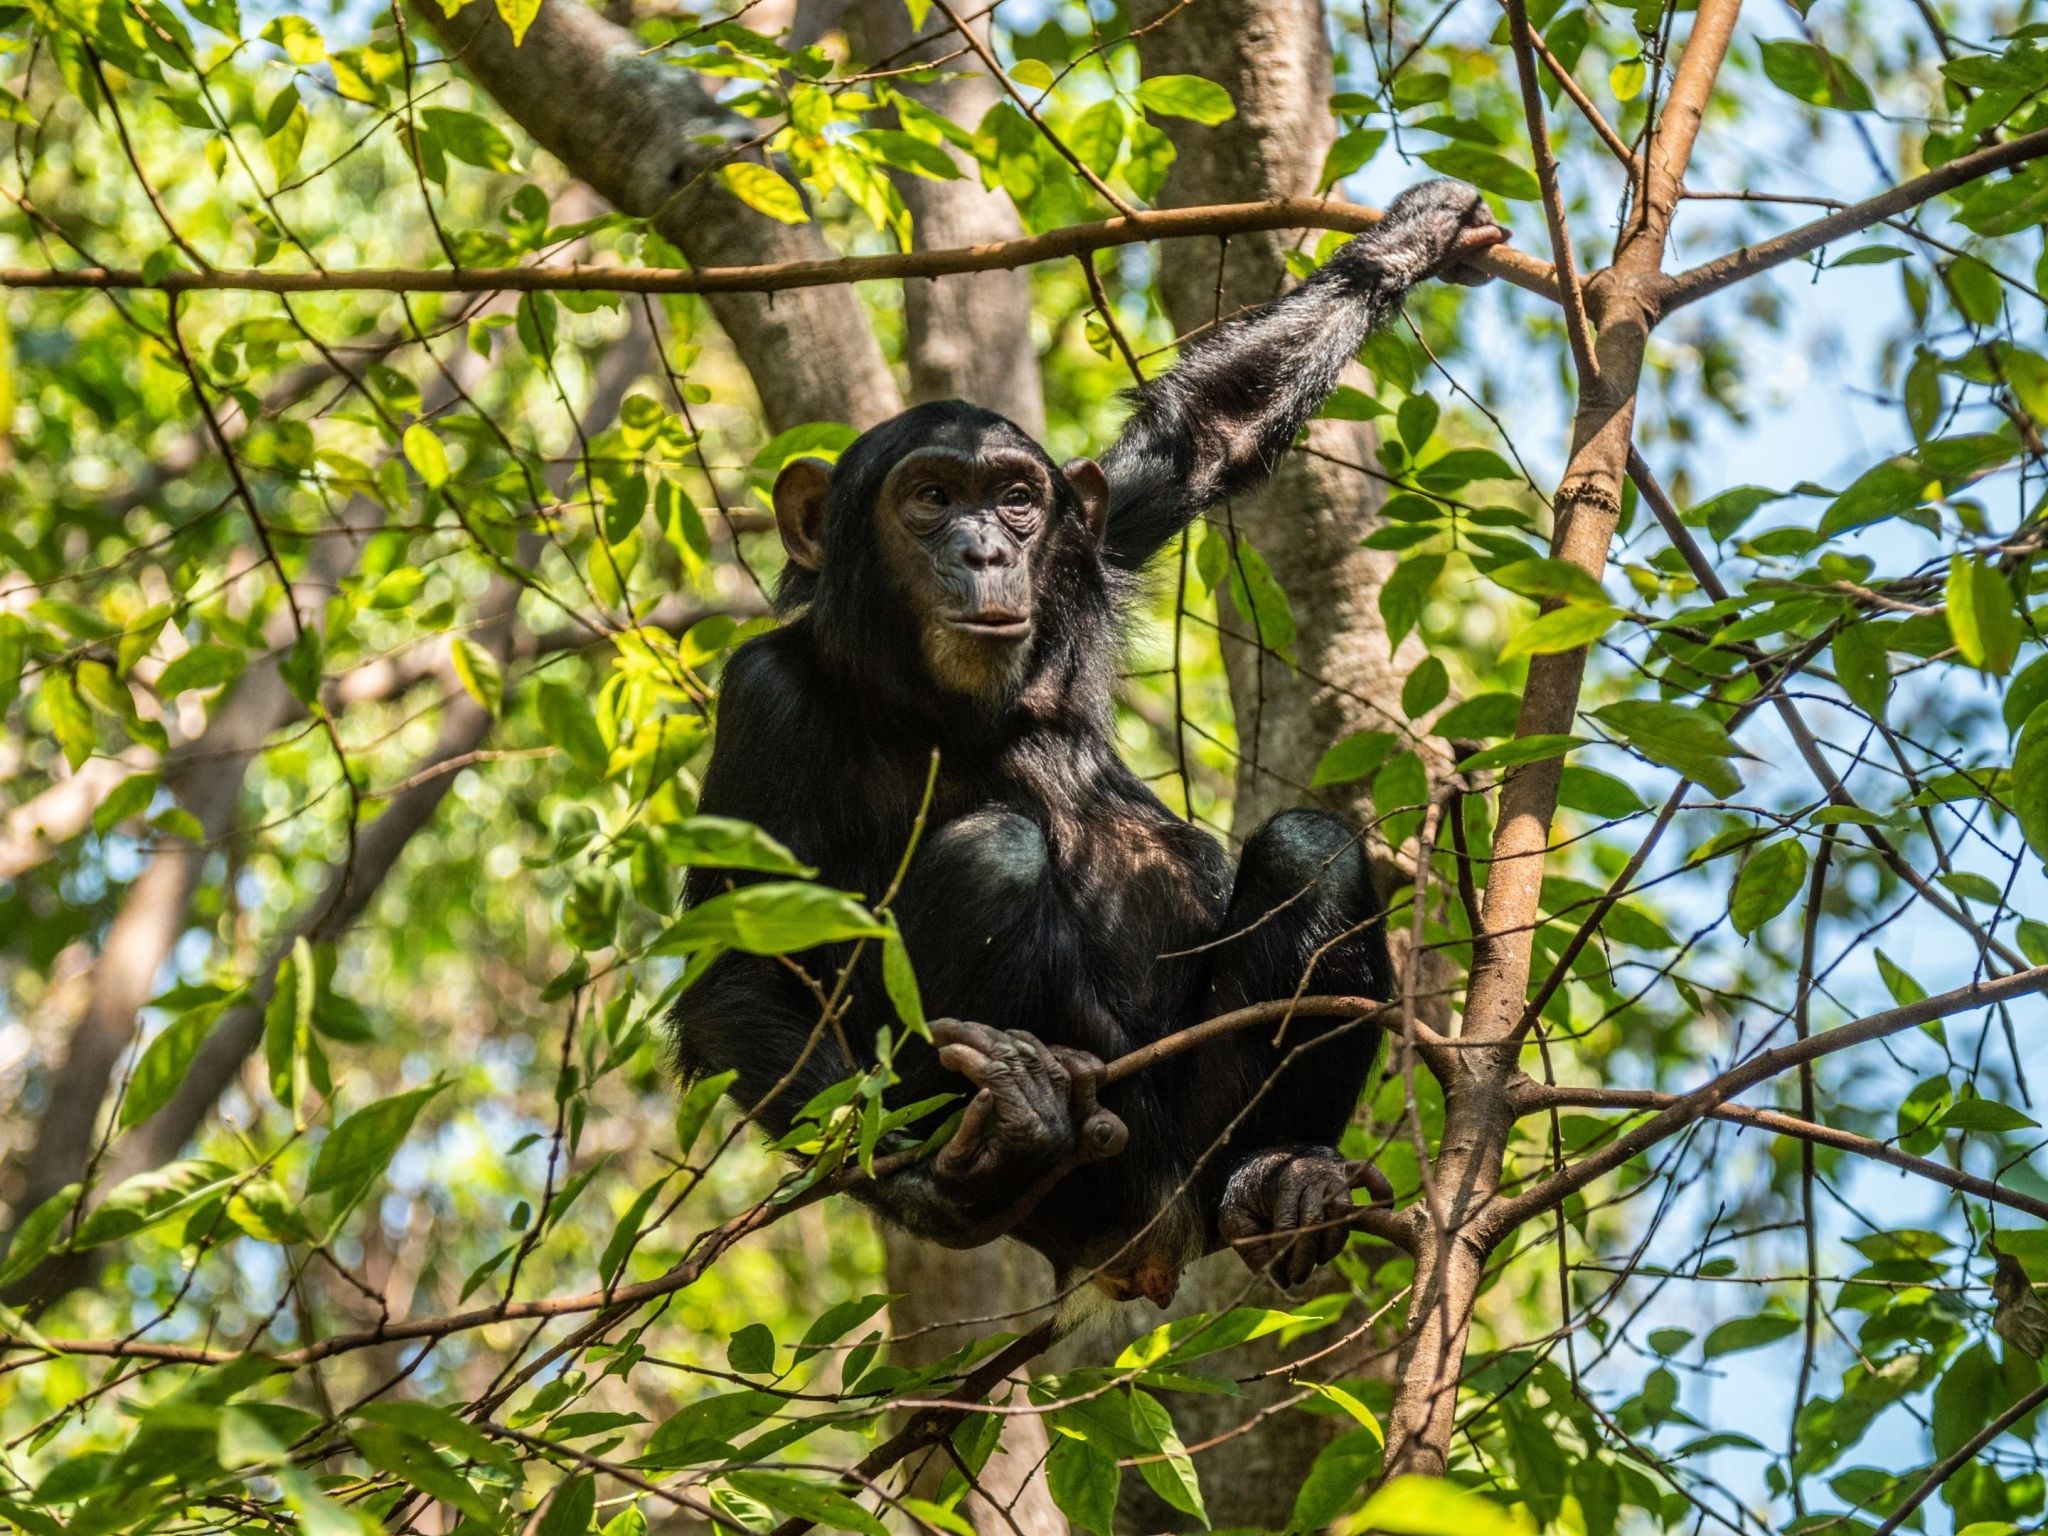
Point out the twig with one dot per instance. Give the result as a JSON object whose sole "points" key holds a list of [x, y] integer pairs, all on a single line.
{"points": [[1723, 271], [1576, 330]]}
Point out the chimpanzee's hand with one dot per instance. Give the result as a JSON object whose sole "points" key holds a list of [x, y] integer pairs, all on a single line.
{"points": [[1035, 1110], [1441, 223], [1285, 1209]]}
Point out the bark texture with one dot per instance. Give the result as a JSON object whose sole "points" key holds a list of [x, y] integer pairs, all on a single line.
{"points": [[634, 128], [1274, 59]]}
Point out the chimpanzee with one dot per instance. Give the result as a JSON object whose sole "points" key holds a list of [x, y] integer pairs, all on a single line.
{"points": [[950, 588]]}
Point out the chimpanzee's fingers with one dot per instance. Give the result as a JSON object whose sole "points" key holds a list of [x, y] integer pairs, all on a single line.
{"points": [[973, 1128], [1050, 1082], [1366, 1176], [966, 1032], [976, 1066], [1103, 1134]]}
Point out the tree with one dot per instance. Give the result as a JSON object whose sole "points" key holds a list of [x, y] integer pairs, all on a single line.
{"points": [[382, 510]]}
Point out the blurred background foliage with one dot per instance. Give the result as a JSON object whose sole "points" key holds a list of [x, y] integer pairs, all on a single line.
{"points": [[347, 779]]}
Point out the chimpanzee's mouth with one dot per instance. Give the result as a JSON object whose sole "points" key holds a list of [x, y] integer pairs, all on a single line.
{"points": [[993, 624]]}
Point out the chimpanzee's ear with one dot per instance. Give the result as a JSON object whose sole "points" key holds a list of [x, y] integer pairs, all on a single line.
{"points": [[1091, 485], [799, 498]]}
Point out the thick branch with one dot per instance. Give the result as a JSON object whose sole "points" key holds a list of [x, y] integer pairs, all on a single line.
{"points": [[1724, 271], [647, 137], [1534, 1097], [1506, 1215]]}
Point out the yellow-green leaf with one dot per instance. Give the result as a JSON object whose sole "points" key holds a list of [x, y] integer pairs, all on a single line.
{"points": [[764, 191]]}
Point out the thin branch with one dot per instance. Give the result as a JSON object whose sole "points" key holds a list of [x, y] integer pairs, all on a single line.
{"points": [[1571, 87], [1961, 1457], [1507, 1214], [1723, 271], [1502, 261], [1538, 1096], [995, 70], [1576, 330]]}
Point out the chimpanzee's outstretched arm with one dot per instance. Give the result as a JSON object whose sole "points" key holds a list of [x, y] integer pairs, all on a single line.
{"points": [[1216, 423]]}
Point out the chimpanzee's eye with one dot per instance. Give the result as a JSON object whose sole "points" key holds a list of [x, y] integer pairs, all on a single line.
{"points": [[932, 495], [1018, 496]]}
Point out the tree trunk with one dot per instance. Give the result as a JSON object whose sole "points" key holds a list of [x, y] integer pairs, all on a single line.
{"points": [[1273, 58]]}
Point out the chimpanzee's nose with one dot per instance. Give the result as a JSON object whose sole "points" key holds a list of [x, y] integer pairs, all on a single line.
{"points": [[982, 549]]}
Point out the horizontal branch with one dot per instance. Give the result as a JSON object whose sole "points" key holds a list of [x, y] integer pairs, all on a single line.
{"points": [[707, 1249], [1517, 267], [1534, 1097], [1724, 271], [1505, 1215]]}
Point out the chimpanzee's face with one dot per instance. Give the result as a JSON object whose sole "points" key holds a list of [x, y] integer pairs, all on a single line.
{"points": [[960, 530], [963, 522]]}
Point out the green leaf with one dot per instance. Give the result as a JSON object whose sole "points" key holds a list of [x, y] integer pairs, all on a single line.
{"points": [[469, 136], [818, 1503], [899, 980], [423, 451], [721, 842], [150, 1199], [1570, 628], [261, 1208], [905, 152], [205, 665], [1884, 490], [776, 917], [481, 674], [1339, 1474], [1814, 75], [1594, 793], [1406, 594], [1541, 578], [1485, 170], [764, 192], [356, 1150], [70, 721], [574, 1504], [412, 1460], [131, 797], [1863, 664], [37, 1233], [1740, 1333], [2030, 781], [566, 719], [163, 1065], [1981, 615], [1984, 1115], [300, 666], [1481, 716], [1413, 1505], [751, 1351], [1356, 756], [1767, 884], [1523, 749], [1083, 1479], [1187, 96], [1971, 1391], [838, 1320], [1904, 989], [626, 1230], [1097, 136], [1427, 686], [1683, 739]]}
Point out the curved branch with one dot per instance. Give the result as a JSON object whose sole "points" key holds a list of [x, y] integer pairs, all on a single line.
{"points": [[1505, 1215], [1723, 271], [1536, 1097]]}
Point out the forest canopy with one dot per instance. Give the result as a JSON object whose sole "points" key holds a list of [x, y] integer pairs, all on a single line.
{"points": [[389, 403]]}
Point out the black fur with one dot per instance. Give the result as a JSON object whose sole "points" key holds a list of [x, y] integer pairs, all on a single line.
{"points": [[1053, 892]]}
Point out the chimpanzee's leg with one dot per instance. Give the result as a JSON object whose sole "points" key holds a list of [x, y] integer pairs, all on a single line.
{"points": [[984, 932], [1303, 907]]}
